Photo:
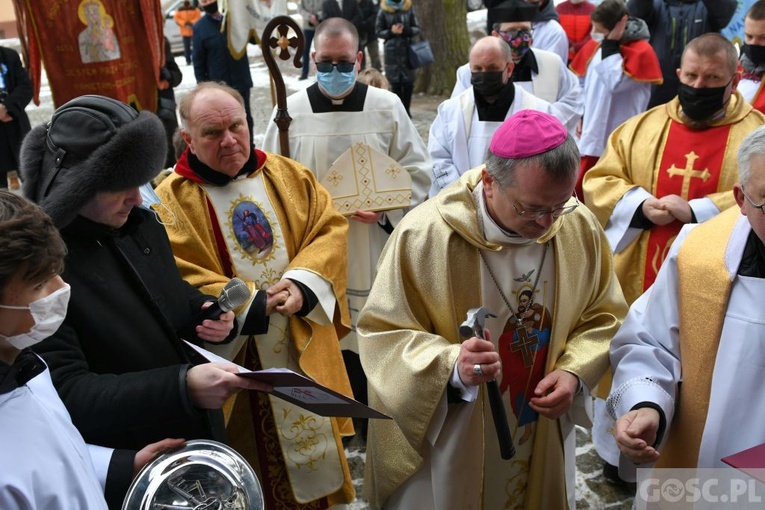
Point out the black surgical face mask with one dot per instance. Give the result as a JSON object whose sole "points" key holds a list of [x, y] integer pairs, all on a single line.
{"points": [[700, 104], [211, 8], [755, 53], [487, 84]]}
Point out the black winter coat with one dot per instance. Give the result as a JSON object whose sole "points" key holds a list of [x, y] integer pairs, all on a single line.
{"points": [[117, 362], [19, 92], [369, 13], [397, 68], [350, 11], [212, 59]]}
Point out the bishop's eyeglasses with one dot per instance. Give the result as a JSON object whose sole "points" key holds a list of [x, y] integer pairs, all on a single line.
{"points": [[538, 214]]}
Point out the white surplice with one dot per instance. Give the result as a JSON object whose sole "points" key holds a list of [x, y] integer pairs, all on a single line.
{"points": [[554, 83], [550, 36], [458, 141], [318, 139], [45, 462], [748, 88], [610, 98], [647, 345]]}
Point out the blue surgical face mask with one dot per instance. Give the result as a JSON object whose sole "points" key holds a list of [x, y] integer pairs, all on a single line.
{"points": [[336, 84]]}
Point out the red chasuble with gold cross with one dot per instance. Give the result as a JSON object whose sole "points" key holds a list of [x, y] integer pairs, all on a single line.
{"points": [[690, 168]]}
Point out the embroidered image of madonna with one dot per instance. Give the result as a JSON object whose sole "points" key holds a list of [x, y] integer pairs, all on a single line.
{"points": [[252, 230]]}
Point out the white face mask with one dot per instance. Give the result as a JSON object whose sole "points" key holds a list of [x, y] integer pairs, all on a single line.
{"points": [[598, 36], [48, 314]]}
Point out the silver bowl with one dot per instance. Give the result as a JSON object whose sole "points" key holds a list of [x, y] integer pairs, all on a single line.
{"points": [[201, 474]]}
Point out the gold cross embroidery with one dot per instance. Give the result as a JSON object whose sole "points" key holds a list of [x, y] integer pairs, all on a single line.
{"points": [[392, 171], [335, 177], [523, 344], [689, 173]]}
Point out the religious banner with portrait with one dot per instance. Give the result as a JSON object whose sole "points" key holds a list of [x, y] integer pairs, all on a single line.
{"points": [[108, 47]]}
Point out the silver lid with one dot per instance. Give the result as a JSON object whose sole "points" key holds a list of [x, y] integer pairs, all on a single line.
{"points": [[202, 474]]}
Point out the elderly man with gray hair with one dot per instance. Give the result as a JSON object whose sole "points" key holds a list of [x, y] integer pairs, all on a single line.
{"points": [[510, 237]]}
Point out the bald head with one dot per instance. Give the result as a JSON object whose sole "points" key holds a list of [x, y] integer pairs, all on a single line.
{"points": [[490, 47], [336, 27]]}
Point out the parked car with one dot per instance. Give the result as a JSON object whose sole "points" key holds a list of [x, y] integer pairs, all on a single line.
{"points": [[172, 30]]}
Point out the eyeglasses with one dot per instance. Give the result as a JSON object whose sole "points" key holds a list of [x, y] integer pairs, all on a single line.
{"points": [[343, 67], [538, 214], [761, 207]]}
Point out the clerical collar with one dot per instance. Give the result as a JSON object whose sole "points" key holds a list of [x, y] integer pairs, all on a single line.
{"points": [[496, 111], [353, 102], [491, 230], [26, 366], [210, 176], [524, 67], [753, 259]]}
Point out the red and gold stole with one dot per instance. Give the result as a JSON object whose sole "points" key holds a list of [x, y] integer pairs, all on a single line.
{"points": [[690, 168]]}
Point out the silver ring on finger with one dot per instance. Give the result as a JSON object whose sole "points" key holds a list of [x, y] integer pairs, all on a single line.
{"points": [[477, 369]]}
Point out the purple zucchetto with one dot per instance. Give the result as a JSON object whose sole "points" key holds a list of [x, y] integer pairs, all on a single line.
{"points": [[527, 133]]}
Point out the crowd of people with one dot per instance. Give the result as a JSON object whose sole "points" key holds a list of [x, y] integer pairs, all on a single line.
{"points": [[579, 242]]}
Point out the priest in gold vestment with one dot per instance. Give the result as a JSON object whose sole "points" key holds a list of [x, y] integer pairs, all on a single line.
{"points": [[508, 236], [234, 211], [672, 165]]}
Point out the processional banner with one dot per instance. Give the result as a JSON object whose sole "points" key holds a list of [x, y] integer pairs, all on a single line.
{"points": [[246, 20], [109, 47]]}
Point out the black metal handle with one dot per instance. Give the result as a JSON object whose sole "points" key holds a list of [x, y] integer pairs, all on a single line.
{"points": [[506, 448]]}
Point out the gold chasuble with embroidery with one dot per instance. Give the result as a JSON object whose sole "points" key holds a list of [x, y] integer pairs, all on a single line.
{"points": [[256, 227], [657, 152], [430, 274]]}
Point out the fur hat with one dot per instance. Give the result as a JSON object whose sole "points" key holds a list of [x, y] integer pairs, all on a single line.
{"points": [[92, 143]]}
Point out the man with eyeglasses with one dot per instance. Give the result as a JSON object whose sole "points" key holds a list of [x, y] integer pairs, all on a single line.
{"points": [[701, 322], [538, 71], [329, 118], [510, 237]]}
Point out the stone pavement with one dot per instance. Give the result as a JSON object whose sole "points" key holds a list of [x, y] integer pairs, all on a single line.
{"points": [[592, 491]]}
